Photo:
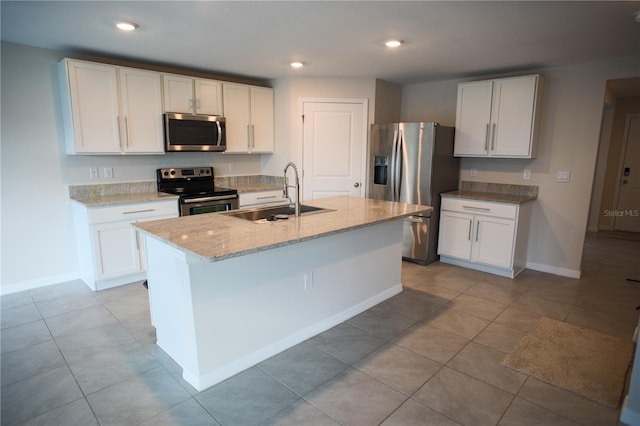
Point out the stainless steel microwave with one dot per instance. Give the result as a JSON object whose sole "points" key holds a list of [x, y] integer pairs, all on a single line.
{"points": [[187, 132]]}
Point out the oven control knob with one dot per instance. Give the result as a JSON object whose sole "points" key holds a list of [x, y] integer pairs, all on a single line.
{"points": [[173, 172], [201, 171], [166, 173]]}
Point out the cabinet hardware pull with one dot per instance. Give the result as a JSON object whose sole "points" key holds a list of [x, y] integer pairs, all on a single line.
{"points": [[469, 237], [477, 231], [126, 132], [139, 211], [476, 208], [249, 136], [119, 130], [486, 138], [493, 138], [265, 197]]}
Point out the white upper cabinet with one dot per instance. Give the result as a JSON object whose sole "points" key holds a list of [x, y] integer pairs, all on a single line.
{"points": [[192, 95], [141, 99], [109, 109], [497, 118], [249, 118]]}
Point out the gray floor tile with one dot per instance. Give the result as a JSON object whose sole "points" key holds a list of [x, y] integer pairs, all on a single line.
{"points": [[519, 319], [568, 404], [139, 325], [494, 293], [15, 299], [463, 398], [37, 395], [137, 399], [353, 398], [399, 368], [524, 413], [485, 364], [298, 414], [411, 304], [347, 343], [459, 323], [72, 322], [188, 413], [31, 361], [500, 337], [67, 289], [378, 322], [76, 413], [22, 336], [436, 294], [125, 301], [302, 368], [547, 308], [248, 398], [68, 303], [477, 306], [18, 315], [412, 413], [438, 345]]}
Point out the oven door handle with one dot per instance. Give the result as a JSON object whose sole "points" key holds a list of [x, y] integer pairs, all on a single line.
{"points": [[204, 199]]}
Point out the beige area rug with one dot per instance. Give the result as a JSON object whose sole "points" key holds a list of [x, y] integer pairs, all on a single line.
{"points": [[587, 362]]}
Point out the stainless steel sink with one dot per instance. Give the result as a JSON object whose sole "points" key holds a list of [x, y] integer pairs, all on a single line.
{"points": [[274, 213]]}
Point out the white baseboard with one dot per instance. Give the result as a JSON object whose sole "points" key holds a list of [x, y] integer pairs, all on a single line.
{"points": [[627, 415], [37, 283], [571, 273]]}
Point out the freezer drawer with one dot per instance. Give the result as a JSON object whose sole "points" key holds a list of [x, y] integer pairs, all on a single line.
{"points": [[415, 241]]}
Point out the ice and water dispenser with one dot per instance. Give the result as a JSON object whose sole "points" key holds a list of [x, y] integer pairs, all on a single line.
{"points": [[380, 169]]}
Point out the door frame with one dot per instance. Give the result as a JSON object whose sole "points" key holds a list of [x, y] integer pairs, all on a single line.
{"points": [[365, 133], [623, 154]]}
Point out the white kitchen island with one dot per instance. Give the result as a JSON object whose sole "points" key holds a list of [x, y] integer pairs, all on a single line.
{"points": [[226, 293]]}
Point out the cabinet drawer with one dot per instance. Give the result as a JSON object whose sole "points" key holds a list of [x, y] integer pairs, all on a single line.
{"points": [[261, 197], [133, 212], [486, 208]]}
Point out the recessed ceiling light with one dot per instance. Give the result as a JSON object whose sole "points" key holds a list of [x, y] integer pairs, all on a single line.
{"points": [[394, 43], [297, 64], [127, 26]]}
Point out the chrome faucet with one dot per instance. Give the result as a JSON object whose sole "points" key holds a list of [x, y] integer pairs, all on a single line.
{"points": [[285, 187]]}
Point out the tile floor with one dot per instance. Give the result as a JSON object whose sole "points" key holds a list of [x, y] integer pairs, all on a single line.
{"points": [[429, 356]]}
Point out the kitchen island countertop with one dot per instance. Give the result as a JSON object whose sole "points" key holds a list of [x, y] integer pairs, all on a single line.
{"points": [[217, 236]]}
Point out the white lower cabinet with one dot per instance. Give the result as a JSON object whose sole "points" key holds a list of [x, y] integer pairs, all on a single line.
{"points": [[261, 198], [487, 236], [111, 252]]}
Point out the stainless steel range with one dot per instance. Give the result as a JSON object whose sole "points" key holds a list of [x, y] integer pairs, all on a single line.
{"points": [[197, 191]]}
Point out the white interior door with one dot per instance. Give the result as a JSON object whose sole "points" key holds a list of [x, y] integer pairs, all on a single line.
{"points": [[627, 214], [333, 148]]}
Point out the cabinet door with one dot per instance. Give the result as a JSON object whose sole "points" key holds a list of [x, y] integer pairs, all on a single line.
{"points": [[237, 113], [513, 116], [208, 97], [178, 93], [262, 138], [473, 116], [493, 241], [93, 92], [117, 252], [455, 233], [141, 96]]}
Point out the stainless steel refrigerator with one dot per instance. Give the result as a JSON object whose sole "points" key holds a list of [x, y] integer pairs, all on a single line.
{"points": [[413, 163]]}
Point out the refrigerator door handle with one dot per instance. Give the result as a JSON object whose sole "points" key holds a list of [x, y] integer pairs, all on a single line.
{"points": [[394, 165], [398, 172]]}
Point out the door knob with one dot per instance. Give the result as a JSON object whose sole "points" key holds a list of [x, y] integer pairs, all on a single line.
{"points": [[356, 185]]}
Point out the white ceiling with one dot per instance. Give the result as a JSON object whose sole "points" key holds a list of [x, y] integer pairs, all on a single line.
{"points": [[258, 39]]}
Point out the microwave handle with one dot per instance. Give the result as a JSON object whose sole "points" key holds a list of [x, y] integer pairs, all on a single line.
{"points": [[219, 133]]}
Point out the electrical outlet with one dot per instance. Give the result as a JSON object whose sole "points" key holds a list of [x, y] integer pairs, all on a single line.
{"points": [[308, 280], [232, 167], [563, 176], [93, 172], [526, 175], [473, 172], [108, 172]]}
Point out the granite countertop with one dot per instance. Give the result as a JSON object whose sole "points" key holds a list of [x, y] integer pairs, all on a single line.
{"points": [[258, 187], [111, 194], [497, 192], [218, 236]]}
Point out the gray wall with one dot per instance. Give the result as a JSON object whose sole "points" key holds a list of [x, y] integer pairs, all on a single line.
{"points": [[573, 99]]}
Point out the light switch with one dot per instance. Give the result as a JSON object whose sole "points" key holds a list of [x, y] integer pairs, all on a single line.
{"points": [[473, 172], [108, 172], [526, 175], [563, 176]]}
